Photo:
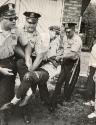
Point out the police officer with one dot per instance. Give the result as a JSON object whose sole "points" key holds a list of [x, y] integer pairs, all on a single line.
{"points": [[72, 50], [8, 41], [30, 74], [50, 64]]}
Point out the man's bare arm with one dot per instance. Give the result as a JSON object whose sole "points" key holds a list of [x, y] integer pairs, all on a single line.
{"points": [[37, 61], [28, 59]]}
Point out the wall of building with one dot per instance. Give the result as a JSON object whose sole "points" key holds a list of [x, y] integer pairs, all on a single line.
{"points": [[51, 11]]}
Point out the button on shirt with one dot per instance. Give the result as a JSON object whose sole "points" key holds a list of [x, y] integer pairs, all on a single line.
{"points": [[8, 41], [92, 61], [73, 45]]}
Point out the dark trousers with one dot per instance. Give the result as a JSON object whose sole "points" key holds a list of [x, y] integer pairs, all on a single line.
{"points": [[7, 83], [65, 75], [32, 81], [91, 84]]}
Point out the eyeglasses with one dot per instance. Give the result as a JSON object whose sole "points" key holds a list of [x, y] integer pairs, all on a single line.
{"points": [[11, 19]]}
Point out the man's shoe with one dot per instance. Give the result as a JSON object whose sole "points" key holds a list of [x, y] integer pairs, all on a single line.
{"points": [[90, 103], [92, 115], [27, 118]]}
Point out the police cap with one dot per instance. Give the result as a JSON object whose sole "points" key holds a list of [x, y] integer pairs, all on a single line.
{"points": [[32, 15], [7, 10]]}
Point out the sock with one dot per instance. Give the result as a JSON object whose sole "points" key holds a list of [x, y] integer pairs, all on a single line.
{"points": [[15, 100], [29, 92]]}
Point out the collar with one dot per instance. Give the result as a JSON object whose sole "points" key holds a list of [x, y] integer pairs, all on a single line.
{"points": [[12, 30]]}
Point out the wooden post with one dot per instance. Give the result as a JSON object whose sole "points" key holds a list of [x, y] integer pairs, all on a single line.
{"points": [[79, 25]]}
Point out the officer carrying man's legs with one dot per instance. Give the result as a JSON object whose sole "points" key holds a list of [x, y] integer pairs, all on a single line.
{"points": [[72, 49], [8, 42]]}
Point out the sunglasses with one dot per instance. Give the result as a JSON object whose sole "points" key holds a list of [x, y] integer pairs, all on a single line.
{"points": [[11, 19]]}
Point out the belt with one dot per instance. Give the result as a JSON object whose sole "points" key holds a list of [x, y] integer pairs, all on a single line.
{"points": [[11, 57]]}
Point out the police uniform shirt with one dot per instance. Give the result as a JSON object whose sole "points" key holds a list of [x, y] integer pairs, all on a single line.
{"points": [[8, 41], [73, 45], [92, 61], [34, 39]]}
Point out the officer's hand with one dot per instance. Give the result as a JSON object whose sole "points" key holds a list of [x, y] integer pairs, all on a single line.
{"points": [[6, 71], [29, 64]]}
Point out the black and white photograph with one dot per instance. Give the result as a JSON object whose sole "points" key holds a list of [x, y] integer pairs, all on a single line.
{"points": [[47, 62]]}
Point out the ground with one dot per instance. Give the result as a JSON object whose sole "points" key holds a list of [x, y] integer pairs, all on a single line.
{"points": [[71, 113]]}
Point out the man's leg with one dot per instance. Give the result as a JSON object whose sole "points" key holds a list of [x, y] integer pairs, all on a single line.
{"points": [[69, 87], [7, 84], [42, 85], [3, 118], [91, 84], [26, 113], [59, 83]]}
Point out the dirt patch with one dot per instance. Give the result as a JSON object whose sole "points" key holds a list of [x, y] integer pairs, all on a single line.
{"points": [[71, 113]]}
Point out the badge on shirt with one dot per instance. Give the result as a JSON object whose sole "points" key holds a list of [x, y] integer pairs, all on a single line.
{"points": [[14, 37]]}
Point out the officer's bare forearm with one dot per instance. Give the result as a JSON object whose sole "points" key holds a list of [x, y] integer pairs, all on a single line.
{"points": [[19, 52], [37, 62], [28, 51]]}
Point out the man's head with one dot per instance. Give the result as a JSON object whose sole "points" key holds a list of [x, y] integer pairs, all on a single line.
{"points": [[69, 29], [8, 16], [31, 20], [54, 31]]}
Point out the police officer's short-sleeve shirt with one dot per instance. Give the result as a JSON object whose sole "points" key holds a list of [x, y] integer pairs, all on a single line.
{"points": [[73, 45], [34, 39], [8, 41]]}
